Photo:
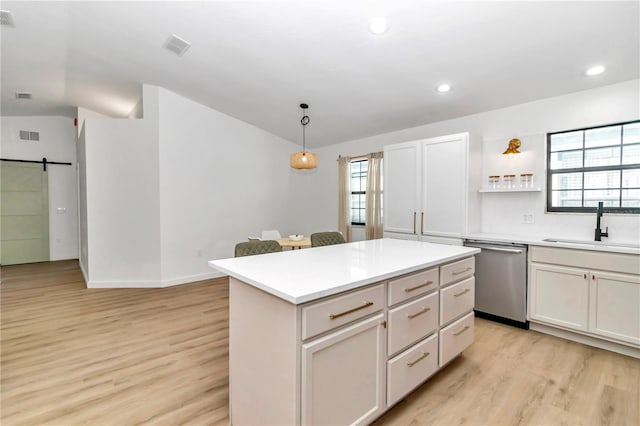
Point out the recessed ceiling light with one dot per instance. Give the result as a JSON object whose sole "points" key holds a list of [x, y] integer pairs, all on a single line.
{"points": [[598, 69], [378, 25], [443, 88]]}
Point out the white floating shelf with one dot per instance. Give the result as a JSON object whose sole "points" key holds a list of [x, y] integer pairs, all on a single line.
{"points": [[512, 190]]}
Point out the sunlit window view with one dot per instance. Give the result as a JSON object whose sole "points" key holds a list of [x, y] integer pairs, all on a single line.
{"points": [[596, 164], [358, 191]]}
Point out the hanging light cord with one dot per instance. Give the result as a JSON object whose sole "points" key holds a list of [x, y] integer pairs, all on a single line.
{"points": [[304, 121]]}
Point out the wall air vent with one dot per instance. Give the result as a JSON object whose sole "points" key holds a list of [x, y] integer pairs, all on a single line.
{"points": [[177, 45], [6, 18], [27, 135], [24, 95]]}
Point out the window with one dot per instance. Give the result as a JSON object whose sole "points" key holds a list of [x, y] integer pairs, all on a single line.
{"points": [[359, 170], [594, 164]]}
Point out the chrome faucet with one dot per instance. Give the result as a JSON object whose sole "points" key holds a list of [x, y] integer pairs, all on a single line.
{"points": [[599, 233]]}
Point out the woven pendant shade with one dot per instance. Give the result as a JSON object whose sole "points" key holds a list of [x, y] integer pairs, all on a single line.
{"points": [[304, 160]]}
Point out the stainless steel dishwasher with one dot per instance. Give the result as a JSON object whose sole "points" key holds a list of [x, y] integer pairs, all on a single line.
{"points": [[501, 282]]}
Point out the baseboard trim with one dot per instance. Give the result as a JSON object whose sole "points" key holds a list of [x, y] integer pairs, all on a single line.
{"points": [[586, 340], [153, 284]]}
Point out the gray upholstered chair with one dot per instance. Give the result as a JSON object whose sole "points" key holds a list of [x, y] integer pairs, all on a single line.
{"points": [[250, 248], [326, 239]]}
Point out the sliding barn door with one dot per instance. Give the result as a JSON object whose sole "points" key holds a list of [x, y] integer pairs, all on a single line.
{"points": [[24, 219]]}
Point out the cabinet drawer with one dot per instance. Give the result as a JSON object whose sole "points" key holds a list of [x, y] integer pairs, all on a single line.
{"points": [[411, 322], [410, 368], [329, 314], [456, 300], [412, 285], [457, 270], [456, 338]]}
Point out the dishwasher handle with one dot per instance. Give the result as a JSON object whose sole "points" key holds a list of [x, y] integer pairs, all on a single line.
{"points": [[505, 250]]}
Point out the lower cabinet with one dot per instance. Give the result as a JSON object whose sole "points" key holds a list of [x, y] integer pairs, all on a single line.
{"points": [[410, 368], [343, 379], [615, 306], [455, 338], [347, 358], [578, 297], [559, 295]]}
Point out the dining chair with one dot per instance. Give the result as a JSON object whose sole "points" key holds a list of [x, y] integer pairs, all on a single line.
{"points": [[326, 239], [271, 234], [251, 248]]}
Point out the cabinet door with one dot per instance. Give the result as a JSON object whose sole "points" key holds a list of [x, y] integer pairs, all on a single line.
{"points": [[401, 192], [615, 306], [444, 186], [559, 295], [343, 380]]}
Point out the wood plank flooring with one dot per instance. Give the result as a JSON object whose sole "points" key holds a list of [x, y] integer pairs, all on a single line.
{"points": [[71, 355]]}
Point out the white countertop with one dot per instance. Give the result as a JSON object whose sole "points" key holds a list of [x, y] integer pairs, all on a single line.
{"points": [[299, 276], [564, 243]]}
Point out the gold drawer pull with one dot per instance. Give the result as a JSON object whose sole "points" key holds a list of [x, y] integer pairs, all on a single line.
{"points": [[466, 290], [422, 311], [423, 356], [350, 311], [466, 327], [410, 289], [462, 271]]}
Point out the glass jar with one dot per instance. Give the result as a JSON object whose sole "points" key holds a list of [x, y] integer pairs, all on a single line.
{"points": [[509, 181], [526, 180], [494, 182]]}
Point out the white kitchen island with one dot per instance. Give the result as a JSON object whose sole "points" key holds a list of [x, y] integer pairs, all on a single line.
{"points": [[338, 334]]}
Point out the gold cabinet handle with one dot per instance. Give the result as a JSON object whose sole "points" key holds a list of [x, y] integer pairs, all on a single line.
{"points": [[410, 289], [420, 358], [466, 290], [466, 327], [350, 311], [421, 223], [414, 222], [462, 271], [420, 312]]}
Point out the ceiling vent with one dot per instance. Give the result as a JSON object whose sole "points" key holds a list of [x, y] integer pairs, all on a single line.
{"points": [[177, 45], [6, 18], [24, 95], [26, 135]]}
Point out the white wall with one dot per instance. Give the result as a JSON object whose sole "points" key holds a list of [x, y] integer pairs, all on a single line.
{"points": [[57, 143], [500, 213], [221, 180], [123, 210], [181, 186]]}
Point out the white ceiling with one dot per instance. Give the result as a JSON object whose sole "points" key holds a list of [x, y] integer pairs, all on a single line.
{"points": [[258, 60]]}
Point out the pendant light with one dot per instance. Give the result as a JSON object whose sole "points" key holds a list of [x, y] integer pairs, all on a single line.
{"points": [[304, 160]]}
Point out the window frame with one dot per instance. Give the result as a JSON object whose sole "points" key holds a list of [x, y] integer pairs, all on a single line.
{"points": [[618, 167], [357, 192]]}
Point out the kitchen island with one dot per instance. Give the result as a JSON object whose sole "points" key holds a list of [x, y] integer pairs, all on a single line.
{"points": [[339, 334]]}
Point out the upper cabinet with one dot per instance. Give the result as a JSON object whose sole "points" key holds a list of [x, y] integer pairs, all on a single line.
{"points": [[402, 175], [426, 186]]}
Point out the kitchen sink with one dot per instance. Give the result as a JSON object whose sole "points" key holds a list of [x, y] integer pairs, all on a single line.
{"points": [[592, 243]]}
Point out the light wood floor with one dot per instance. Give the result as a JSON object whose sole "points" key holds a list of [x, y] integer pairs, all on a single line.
{"points": [[72, 355]]}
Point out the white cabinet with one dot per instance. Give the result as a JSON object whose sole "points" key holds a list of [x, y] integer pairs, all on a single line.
{"points": [[615, 306], [444, 186], [559, 295], [568, 289], [343, 378], [426, 186], [402, 174], [345, 358]]}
